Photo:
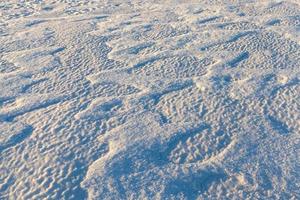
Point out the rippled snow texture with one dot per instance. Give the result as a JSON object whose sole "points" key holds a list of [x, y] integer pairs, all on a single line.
{"points": [[136, 99]]}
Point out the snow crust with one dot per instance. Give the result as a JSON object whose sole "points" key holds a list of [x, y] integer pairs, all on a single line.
{"points": [[136, 99]]}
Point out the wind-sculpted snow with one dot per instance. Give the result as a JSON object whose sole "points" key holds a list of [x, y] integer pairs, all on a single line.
{"points": [[176, 99]]}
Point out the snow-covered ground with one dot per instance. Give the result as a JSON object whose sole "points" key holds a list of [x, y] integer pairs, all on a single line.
{"points": [[148, 99]]}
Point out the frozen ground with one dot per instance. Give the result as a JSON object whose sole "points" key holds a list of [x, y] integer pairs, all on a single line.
{"points": [[128, 99]]}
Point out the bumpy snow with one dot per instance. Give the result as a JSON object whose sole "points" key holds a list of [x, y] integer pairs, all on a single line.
{"points": [[148, 99]]}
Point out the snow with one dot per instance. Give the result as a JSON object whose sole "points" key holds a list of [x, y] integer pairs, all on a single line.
{"points": [[134, 99]]}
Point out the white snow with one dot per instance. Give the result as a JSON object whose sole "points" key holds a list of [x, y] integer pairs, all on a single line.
{"points": [[136, 99]]}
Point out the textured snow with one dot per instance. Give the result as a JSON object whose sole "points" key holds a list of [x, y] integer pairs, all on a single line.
{"points": [[136, 99]]}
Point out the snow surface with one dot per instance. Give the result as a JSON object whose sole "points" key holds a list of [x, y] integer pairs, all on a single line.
{"points": [[148, 99]]}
